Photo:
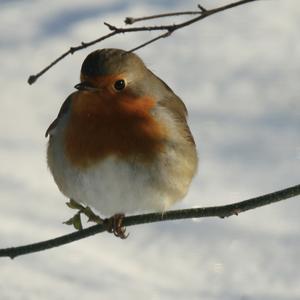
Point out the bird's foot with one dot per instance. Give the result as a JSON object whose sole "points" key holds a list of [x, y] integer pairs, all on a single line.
{"points": [[76, 219], [114, 225], [92, 217]]}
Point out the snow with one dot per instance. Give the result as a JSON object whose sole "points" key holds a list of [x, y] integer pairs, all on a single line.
{"points": [[238, 73]]}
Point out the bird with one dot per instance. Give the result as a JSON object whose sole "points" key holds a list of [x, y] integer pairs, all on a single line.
{"points": [[121, 143]]}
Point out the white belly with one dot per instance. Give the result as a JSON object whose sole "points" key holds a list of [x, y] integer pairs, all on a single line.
{"points": [[114, 186]]}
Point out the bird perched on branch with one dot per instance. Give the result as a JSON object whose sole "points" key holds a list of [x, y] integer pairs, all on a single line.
{"points": [[121, 142]]}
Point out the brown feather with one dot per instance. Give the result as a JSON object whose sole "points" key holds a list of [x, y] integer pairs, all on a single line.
{"points": [[120, 126]]}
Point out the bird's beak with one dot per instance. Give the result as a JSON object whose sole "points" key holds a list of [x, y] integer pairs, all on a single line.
{"points": [[85, 86]]}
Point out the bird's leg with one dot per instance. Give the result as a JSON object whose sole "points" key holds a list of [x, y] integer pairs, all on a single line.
{"points": [[76, 219], [114, 225], [92, 217]]}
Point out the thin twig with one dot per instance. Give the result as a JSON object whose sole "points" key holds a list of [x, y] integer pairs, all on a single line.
{"points": [[130, 20], [166, 34], [202, 8], [116, 30], [216, 211]]}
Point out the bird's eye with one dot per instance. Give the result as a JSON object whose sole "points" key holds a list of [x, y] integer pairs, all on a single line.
{"points": [[120, 84]]}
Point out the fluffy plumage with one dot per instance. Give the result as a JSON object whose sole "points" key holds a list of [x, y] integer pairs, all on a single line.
{"points": [[122, 151]]}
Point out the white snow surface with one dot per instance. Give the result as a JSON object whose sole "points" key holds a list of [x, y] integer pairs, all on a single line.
{"points": [[238, 73]]}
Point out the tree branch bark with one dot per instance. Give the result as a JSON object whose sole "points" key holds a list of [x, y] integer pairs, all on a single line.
{"points": [[215, 211], [168, 30]]}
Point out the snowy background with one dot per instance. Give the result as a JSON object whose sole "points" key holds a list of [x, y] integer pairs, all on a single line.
{"points": [[238, 73]]}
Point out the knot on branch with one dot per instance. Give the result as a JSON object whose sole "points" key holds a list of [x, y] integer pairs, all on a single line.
{"points": [[32, 79], [129, 20], [73, 49]]}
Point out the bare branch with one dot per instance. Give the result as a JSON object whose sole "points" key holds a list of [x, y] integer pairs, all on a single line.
{"points": [[166, 34], [203, 13], [33, 78], [215, 211], [130, 20]]}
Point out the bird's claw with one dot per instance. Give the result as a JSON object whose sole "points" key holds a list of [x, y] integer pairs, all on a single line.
{"points": [[114, 225]]}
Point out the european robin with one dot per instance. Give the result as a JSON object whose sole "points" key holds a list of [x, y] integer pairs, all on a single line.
{"points": [[121, 142]]}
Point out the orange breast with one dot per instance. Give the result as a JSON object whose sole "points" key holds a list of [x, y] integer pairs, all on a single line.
{"points": [[112, 125]]}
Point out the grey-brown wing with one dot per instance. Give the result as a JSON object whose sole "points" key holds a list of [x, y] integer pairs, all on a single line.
{"points": [[63, 110], [176, 106]]}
